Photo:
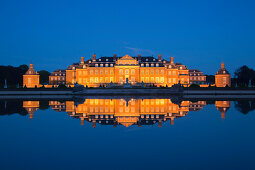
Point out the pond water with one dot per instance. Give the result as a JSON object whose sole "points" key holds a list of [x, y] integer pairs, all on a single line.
{"points": [[127, 133]]}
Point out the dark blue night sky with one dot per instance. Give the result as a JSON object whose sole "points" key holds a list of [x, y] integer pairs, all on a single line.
{"points": [[199, 34]]}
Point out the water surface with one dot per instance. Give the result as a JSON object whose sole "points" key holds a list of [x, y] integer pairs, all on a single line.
{"points": [[127, 133]]}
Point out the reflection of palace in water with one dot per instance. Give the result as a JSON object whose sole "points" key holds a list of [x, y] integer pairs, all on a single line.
{"points": [[126, 112]]}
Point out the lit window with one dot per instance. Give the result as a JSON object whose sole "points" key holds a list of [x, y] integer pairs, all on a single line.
{"points": [[101, 65], [132, 71], [96, 65], [106, 65], [157, 65], [152, 65], [111, 65], [147, 65], [142, 65]]}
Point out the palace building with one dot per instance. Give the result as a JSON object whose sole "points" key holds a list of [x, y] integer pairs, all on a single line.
{"points": [[57, 77], [222, 77], [134, 70], [31, 78], [196, 77]]}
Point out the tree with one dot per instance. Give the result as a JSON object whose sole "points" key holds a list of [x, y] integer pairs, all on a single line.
{"points": [[13, 75], [243, 75], [44, 76], [210, 79]]}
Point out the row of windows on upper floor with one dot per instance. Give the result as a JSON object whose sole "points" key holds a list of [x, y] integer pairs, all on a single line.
{"points": [[57, 78], [127, 71], [142, 65]]}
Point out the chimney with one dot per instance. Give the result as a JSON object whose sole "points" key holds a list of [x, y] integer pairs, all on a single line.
{"points": [[222, 65], [82, 60], [94, 57], [139, 57], [31, 66], [159, 57], [114, 57], [171, 60]]}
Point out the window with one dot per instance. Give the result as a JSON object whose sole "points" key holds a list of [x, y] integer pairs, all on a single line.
{"points": [[96, 80], [101, 79], [101, 71], [120, 71], [157, 65], [157, 71], [91, 72], [101, 65], [91, 79], [157, 79], [142, 65], [96, 65], [142, 72], [106, 71], [152, 65], [169, 72], [96, 72], [147, 65], [152, 79], [107, 59], [111, 65], [152, 72], [147, 72], [106, 65], [162, 79], [132, 71], [127, 71], [147, 80], [162, 71]]}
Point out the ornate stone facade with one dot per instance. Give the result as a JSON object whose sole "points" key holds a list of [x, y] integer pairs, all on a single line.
{"points": [[149, 70]]}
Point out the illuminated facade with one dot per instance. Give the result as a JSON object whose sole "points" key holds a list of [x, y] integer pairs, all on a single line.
{"points": [[148, 70], [57, 77], [222, 77], [31, 78], [197, 77]]}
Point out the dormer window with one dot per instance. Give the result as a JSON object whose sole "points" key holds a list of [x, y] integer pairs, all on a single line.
{"points": [[96, 65], [146, 59], [169, 66], [99, 59], [181, 68], [106, 65], [147, 65], [154, 59], [84, 66], [89, 61], [73, 68], [107, 59], [142, 65], [101, 65], [157, 65], [152, 65]]}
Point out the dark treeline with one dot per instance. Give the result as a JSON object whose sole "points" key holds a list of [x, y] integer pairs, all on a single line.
{"points": [[13, 75], [244, 77]]}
